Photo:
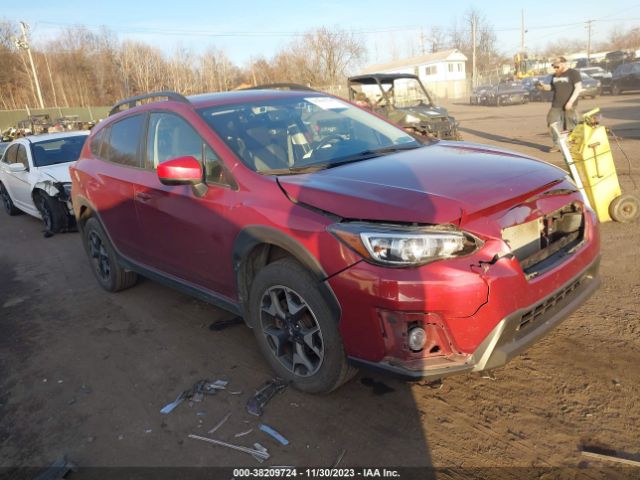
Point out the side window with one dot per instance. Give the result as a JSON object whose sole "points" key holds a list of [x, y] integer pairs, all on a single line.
{"points": [[97, 143], [215, 170], [22, 156], [170, 136], [124, 140], [10, 155]]}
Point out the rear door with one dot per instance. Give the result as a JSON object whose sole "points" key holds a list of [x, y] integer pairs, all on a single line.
{"points": [[185, 235], [110, 189]]}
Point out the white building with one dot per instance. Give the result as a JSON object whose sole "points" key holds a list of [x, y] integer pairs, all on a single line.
{"points": [[443, 73]]}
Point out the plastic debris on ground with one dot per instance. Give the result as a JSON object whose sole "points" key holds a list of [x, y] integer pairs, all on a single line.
{"points": [[242, 434], [256, 404], [220, 423], [196, 393], [57, 469], [257, 453], [270, 431]]}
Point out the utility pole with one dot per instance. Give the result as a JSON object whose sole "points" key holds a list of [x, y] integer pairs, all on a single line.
{"points": [[589, 22], [422, 42], [24, 44], [522, 31]]}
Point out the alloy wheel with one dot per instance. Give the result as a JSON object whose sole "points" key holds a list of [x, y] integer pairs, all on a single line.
{"points": [[291, 330], [99, 256]]}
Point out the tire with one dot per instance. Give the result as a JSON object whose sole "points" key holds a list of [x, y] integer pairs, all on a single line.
{"points": [[9, 207], [52, 212], [296, 329], [110, 275], [624, 208]]}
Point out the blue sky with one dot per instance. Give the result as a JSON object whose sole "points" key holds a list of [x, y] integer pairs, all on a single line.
{"points": [[251, 28]]}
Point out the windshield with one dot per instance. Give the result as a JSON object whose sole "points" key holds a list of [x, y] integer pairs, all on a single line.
{"points": [[282, 136], [59, 150], [407, 92]]}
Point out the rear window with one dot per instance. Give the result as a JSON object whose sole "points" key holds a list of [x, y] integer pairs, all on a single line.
{"points": [[59, 150]]}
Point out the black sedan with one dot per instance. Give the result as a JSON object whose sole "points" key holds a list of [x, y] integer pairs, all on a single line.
{"points": [[507, 93]]}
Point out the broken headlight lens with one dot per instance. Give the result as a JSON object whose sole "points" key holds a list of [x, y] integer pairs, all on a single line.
{"points": [[404, 246]]}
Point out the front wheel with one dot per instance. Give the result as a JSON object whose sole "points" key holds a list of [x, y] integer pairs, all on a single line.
{"points": [[296, 329], [52, 212]]}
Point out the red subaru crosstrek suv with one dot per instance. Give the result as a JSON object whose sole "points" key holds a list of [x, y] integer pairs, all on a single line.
{"points": [[340, 239]]}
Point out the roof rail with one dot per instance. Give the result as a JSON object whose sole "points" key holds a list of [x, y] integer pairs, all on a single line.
{"points": [[281, 86], [133, 101]]}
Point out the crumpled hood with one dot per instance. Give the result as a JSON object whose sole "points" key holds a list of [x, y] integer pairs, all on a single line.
{"points": [[59, 172], [432, 185]]}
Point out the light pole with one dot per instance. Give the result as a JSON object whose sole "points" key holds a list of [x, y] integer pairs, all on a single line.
{"points": [[24, 44]]}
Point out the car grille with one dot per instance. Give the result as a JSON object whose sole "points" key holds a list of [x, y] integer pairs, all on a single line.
{"points": [[543, 242], [530, 318]]}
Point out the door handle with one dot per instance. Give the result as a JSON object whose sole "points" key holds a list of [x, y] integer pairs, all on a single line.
{"points": [[143, 196]]}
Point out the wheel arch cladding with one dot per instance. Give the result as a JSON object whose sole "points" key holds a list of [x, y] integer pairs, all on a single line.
{"points": [[257, 246]]}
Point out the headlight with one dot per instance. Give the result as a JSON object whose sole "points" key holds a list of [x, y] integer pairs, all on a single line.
{"points": [[411, 118], [404, 246]]}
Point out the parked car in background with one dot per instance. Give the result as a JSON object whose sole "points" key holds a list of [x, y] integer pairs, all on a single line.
{"points": [[590, 86], [340, 239], [479, 95], [507, 93], [626, 77], [34, 177], [600, 74], [3, 147], [402, 98], [535, 94]]}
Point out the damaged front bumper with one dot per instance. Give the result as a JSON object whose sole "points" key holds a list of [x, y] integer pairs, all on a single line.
{"points": [[510, 337]]}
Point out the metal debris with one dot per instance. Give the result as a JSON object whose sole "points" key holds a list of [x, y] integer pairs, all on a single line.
{"points": [[196, 393], [270, 431], [339, 459], [260, 448], [256, 404], [242, 434], [220, 423], [261, 454]]}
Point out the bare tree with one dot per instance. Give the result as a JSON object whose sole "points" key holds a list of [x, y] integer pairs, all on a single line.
{"points": [[437, 39]]}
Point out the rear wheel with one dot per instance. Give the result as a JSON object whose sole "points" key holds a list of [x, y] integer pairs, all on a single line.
{"points": [[9, 207], [296, 329], [51, 211], [110, 275], [624, 208]]}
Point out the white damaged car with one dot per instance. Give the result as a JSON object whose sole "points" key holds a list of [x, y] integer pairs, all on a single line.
{"points": [[34, 177]]}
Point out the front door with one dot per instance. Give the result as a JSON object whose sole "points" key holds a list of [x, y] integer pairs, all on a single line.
{"points": [[186, 235]]}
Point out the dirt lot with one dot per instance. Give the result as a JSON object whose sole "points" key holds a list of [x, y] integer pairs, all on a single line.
{"points": [[85, 373]]}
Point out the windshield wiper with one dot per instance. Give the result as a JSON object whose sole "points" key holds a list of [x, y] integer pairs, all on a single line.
{"points": [[357, 157]]}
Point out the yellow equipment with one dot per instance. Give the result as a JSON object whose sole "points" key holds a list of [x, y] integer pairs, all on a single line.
{"points": [[590, 152]]}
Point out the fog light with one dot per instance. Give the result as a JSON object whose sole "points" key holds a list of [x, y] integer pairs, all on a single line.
{"points": [[417, 339]]}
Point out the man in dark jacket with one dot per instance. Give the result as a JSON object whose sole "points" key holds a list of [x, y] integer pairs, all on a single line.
{"points": [[566, 85]]}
